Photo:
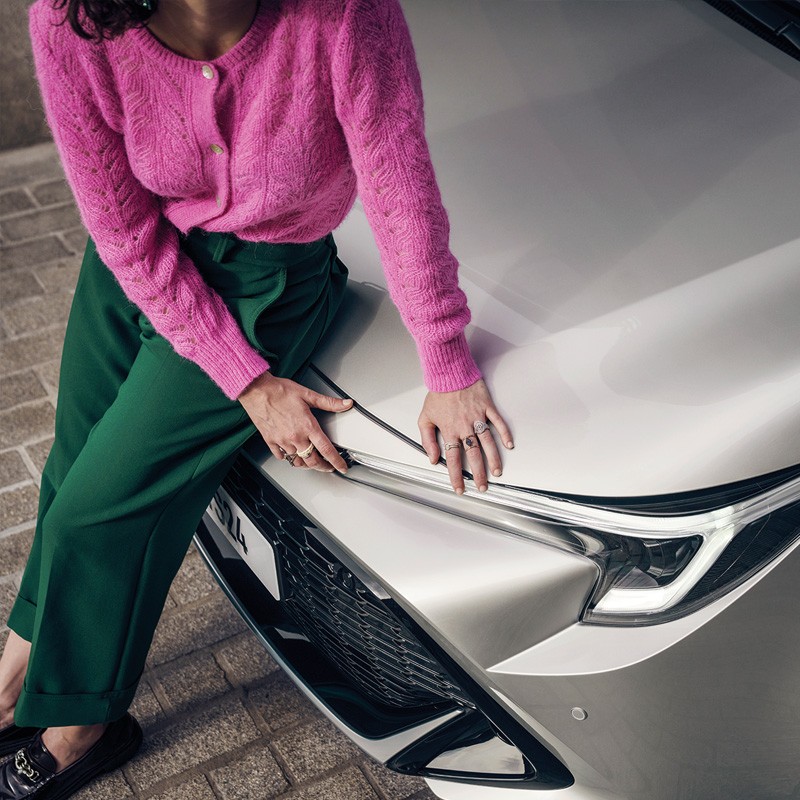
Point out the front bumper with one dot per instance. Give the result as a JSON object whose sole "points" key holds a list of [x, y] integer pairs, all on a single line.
{"points": [[686, 708], [359, 656]]}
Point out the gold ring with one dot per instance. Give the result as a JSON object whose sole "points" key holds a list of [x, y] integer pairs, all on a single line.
{"points": [[304, 454], [290, 457], [469, 443], [450, 445]]}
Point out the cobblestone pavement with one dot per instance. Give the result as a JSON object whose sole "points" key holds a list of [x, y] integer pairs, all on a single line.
{"points": [[220, 719]]}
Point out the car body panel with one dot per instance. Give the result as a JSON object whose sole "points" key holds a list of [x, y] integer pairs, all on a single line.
{"points": [[626, 220], [688, 711]]}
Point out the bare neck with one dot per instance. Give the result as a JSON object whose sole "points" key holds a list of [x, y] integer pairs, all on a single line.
{"points": [[202, 29]]}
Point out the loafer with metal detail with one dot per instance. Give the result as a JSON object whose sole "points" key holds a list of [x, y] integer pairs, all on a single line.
{"points": [[13, 737], [31, 773]]}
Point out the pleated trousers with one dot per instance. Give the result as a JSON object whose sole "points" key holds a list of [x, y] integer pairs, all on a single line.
{"points": [[143, 438]]}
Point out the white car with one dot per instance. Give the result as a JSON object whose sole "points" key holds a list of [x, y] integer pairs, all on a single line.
{"points": [[618, 616]]}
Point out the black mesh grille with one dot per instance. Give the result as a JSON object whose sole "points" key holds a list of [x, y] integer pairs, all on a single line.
{"points": [[335, 609]]}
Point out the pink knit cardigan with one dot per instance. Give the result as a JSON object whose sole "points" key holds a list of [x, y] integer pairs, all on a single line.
{"points": [[321, 99]]}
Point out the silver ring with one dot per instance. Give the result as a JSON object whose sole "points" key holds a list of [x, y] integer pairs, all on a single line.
{"points": [[480, 426], [290, 457], [307, 452], [451, 445], [469, 443]]}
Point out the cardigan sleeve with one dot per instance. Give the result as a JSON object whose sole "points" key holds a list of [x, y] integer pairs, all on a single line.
{"points": [[378, 98], [133, 238]]}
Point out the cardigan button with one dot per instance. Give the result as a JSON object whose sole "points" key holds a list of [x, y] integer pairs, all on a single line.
{"points": [[208, 71], [215, 148]]}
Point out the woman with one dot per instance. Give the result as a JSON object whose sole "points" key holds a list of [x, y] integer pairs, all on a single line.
{"points": [[211, 151]]}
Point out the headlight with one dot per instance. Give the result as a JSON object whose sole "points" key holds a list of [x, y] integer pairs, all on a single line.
{"points": [[653, 565]]}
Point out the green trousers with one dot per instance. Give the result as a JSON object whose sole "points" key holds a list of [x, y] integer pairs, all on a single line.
{"points": [[143, 438]]}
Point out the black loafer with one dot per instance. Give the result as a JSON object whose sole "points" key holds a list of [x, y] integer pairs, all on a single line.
{"points": [[12, 738], [31, 773]]}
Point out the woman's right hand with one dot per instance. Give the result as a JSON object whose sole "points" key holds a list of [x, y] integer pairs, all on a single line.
{"points": [[281, 410]]}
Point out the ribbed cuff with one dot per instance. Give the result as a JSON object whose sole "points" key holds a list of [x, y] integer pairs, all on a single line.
{"points": [[448, 366], [230, 361]]}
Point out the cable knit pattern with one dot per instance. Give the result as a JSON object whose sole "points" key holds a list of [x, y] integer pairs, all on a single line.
{"points": [[321, 99]]}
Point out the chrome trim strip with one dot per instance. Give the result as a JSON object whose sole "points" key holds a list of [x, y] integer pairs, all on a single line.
{"points": [[545, 509]]}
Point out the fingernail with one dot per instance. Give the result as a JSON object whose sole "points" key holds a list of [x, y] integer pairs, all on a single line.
{"points": [[347, 402], [330, 470], [459, 491], [497, 472], [510, 444], [483, 488]]}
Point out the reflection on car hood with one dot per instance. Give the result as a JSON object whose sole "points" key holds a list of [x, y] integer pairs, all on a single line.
{"points": [[622, 185]]}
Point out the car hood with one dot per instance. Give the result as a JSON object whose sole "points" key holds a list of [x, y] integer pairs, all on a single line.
{"points": [[622, 187]]}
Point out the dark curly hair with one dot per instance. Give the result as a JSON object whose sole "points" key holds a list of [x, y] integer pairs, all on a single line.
{"points": [[105, 19]]}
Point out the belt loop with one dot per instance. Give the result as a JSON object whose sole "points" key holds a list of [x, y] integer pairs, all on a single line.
{"points": [[224, 243]]}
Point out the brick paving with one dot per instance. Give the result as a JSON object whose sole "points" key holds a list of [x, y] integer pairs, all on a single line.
{"points": [[221, 721]]}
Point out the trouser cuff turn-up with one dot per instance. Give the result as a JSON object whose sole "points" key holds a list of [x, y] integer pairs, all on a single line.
{"points": [[53, 710]]}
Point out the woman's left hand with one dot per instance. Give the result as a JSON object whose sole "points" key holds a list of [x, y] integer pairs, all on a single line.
{"points": [[457, 415]]}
